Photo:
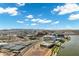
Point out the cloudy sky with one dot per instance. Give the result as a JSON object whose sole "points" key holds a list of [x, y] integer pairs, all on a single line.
{"points": [[39, 16]]}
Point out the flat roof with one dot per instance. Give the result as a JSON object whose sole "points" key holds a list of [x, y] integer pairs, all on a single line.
{"points": [[13, 47]]}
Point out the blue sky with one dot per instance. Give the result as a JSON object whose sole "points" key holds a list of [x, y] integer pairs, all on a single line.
{"points": [[39, 16]]}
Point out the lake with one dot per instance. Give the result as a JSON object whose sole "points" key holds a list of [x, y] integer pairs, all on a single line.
{"points": [[71, 48]]}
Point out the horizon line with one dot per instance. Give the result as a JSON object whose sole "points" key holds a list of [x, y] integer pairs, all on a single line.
{"points": [[36, 29]]}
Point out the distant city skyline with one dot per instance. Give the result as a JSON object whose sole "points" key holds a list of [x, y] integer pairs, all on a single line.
{"points": [[53, 16]]}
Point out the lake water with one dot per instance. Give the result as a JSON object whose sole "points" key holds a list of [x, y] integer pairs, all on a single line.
{"points": [[71, 48]]}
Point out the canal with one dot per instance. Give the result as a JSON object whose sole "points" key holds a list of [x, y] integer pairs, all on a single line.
{"points": [[70, 48]]}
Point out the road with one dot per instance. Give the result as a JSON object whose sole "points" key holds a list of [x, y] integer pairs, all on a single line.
{"points": [[36, 50]]}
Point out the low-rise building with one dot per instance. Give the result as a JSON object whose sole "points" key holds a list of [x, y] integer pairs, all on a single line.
{"points": [[48, 41]]}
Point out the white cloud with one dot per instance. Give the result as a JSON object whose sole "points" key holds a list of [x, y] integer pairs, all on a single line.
{"points": [[56, 22], [33, 24], [35, 20], [41, 20], [30, 16], [67, 8], [19, 21], [20, 4], [74, 17], [68, 26], [71, 27], [26, 19], [12, 11], [44, 21]]}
